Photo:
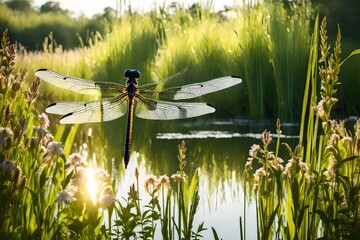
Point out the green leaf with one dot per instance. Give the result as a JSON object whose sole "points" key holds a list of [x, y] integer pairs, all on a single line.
{"points": [[301, 215], [271, 220], [216, 237], [349, 159], [70, 139], [355, 52]]}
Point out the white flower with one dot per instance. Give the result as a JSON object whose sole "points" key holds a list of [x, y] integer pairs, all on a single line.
{"points": [[248, 165], [259, 173], [66, 196], [80, 177], [179, 177], [152, 185], [329, 174], [53, 149], [164, 179], [303, 166], [320, 108], [254, 149], [333, 139], [107, 200], [289, 167], [276, 163], [76, 159], [346, 139], [44, 120]]}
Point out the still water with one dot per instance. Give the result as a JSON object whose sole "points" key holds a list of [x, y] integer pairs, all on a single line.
{"points": [[217, 148]]}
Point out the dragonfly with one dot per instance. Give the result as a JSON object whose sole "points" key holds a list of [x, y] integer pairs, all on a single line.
{"points": [[117, 99]]}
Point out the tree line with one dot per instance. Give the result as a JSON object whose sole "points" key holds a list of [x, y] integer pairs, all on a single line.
{"points": [[29, 26]]}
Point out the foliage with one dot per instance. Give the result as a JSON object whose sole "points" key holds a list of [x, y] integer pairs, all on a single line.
{"points": [[174, 210], [45, 194], [29, 27], [36, 177], [316, 193]]}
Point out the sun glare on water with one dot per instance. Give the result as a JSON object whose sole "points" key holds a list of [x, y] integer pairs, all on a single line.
{"points": [[92, 184]]}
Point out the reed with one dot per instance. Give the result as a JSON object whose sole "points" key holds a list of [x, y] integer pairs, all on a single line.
{"points": [[310, 196]]}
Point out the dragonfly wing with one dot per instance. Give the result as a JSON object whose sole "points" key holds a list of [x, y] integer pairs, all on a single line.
{"points": [[92, 111], [160, 110], [79, 85], [164, 81], [198, 89]]}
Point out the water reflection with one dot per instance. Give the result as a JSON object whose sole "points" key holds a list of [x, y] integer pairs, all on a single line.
{"points": [[217, 148]]}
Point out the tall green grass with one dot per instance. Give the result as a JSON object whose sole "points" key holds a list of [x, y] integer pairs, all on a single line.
{"points": [[313, 195], [264, 43]]}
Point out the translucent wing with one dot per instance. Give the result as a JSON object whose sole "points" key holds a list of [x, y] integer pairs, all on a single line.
{"points": [[92, 111], [196, 89], [164, 81], [79, 85], [160, 110]]}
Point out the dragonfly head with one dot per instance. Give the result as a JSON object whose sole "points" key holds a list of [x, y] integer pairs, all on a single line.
{"points": [[130, 73]]}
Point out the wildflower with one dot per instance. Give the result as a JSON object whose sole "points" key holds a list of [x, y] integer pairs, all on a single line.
{"points": [[7, 166], [324, 125], [277, 163], [53, 149], [303, 166], [320, 109], [65, 196], [248, 165], [259, 173], [107, 190], [329, 174], [346, 139], [5, 136], [310, 178], [179, 177], [102, 175], [269, 154], [288, 167], [40, 131], [107, 197], [333, 139], [76, 160], [44, 120], [357, 128], [152, 185], [266, 138], [254, 150], [106, 201], [80, 178], [164, 180]]}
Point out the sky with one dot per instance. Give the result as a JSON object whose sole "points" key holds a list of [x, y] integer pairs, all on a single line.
{"points": [[89, 8]]}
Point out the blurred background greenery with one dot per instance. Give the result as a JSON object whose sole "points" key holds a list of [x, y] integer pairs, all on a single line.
{"points": [[264, 42]]}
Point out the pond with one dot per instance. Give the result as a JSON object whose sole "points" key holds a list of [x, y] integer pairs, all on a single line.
{"points": [[217, 148]]}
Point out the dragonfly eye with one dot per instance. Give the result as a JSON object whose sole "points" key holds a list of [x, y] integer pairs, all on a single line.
{"points": [[136, 74], [128, 73]]}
